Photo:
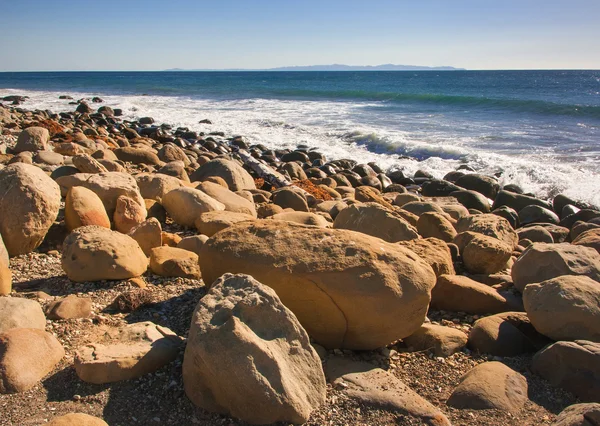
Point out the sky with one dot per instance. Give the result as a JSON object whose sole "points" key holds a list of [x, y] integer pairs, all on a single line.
{"points": [[86, 35]]}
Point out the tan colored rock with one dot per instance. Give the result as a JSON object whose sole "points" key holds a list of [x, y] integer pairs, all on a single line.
{"points": [[241, 333], [290, 197], [16, 312], [128, 214], [490, 385], [482, 254], [86, 164], [433, 251], [33, 139], [129, 352], [170, 152], [541, 262], [184, 205], [574, 366], [155, 186], [148, 235], [26, 356], [170, 239], [83, 207], [376, 220], [443, 341], [70, 307], [236, 177], [302, 218], [108, 186], [461, 294], [491, 225], [585, 414], [589, 238], [94, 253], [174, 262], [231, 201], [565, 308], [137, 155], [5, 272], [379, 389], [314, 272], [192, 243], [29, 204], [505, 334], [77, 419], [437, 226], [366, 194], [210, 223]]}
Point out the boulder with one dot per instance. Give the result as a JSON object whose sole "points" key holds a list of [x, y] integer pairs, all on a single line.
{"points": [[26, 356], [70, 307], [443, 341], [77, 419], [505, 334], [461, 294], [290, 198], [33, 139], [376, 220], [565, 308], [540, 262], [86, 164], [148, 235], [231, 201], [94, 253], [379, 389], [5, 272], [128, 214], [486, 185], [315, 273], [175, 169], [108, 186], [472, 200], [537, 214], [156, 186], [137, 156], [83, 207], [128, 352], [517, 201], [192, 243], [184, 205], [242, 333], [433, 251], [174, 262], [482, 254], [490, 225], [29, 204], [437, 226], [490, 385], [585, 414], [589, 238], [536, 234], [367, 194], [302, 218], [236, 177], [170, 152], [16, 312], [574, 366], [210, 223]]}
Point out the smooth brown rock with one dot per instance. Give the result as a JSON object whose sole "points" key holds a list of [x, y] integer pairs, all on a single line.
{"points": [[565, 308], [585, 414], [574, 366], [148, 235], [83, 207], [5, 272], [94, 253], [129, 352], [155, 186], [71, 307], [541, 262], [290, 198], [29, 204], [236, 177], [329, 278], [458, 293], [174, 262], [26, 356], [231, 201], [376, 388], [33, 139], [86, 164], [437, 226], [184, 205], [137, 156], [241, 333], [128, 214], [589, 238], [210, 223], [482, 254], [302, 218], [192, 243], [433, 251], [490, 225], [77, 419], [490, 385], [16, 312], [444, 341]]}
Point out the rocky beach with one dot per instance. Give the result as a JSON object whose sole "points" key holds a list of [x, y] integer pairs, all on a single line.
{"points": [[153, 274]]}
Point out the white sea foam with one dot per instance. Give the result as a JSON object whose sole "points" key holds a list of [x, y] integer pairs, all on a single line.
{"points": [[346, 130]]}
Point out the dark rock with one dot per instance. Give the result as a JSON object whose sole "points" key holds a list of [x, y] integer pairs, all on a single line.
{"points": [[511, 187], [517, 201], [146, 120], [364, 170], [471, 200], [438, 188], [453, 176], [295, 156], [537, 214], [485, 185], [396, 176]]}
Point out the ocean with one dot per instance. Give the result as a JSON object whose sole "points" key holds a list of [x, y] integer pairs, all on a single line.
{"points": [[537, 129]]}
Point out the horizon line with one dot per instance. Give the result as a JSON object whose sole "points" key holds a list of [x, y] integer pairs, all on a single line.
{"points": [[286, 70]]}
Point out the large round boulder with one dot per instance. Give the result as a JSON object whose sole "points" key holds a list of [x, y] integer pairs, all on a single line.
{"points": [[83, 207], [94, 253], [29, 204], [185, 205], [236, 177], [329, 278], [32, 139]]}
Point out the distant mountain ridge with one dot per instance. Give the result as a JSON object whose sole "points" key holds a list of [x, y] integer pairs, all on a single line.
{"points": [[339, 67]]}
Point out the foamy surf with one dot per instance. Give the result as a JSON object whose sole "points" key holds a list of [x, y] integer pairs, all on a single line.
{"points": [[345, 129]]}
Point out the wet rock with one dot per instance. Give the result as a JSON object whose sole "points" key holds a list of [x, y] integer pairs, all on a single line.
{"points": [[537, 214]]}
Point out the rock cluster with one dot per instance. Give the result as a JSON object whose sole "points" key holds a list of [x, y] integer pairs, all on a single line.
{"points": [[305, 264]]}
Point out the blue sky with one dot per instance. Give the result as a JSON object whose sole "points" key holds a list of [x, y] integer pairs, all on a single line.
{"points": [[40, 35]]}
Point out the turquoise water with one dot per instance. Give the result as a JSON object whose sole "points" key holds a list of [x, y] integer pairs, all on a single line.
{"points": [[540, 129]]}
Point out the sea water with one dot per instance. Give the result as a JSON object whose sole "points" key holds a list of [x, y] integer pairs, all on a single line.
{"points": [[537, 129]]}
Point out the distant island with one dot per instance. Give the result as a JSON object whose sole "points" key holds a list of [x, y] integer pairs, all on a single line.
{"points": [[339, 67]]}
